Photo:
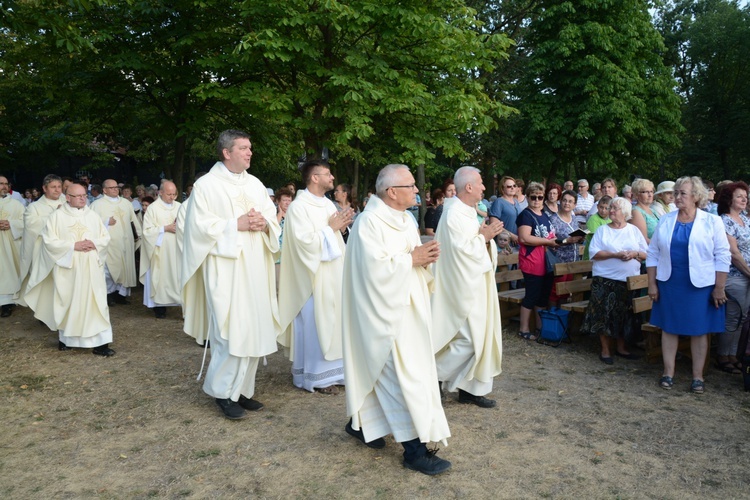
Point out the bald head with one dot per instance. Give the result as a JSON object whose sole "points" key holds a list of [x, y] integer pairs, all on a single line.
{"points": [[76, 195], [168, 192], [111, 188]]}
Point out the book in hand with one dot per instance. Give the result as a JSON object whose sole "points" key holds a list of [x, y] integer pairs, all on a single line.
{"points": [[580, 232]]}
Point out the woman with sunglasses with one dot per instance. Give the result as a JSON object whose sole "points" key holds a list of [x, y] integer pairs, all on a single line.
{"points": [[535, 233]]}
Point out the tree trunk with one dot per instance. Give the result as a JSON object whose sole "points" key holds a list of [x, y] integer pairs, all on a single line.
{"points": [[179, 160], [420, 185]]}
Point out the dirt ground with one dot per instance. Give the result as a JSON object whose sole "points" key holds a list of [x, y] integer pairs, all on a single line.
{"points": [[566, 426]]}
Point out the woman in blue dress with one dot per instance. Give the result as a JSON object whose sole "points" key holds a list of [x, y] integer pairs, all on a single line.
{"points": [[687, 264]]}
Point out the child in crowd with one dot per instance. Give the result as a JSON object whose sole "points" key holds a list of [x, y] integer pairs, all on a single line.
{"points": [[503, 243]]}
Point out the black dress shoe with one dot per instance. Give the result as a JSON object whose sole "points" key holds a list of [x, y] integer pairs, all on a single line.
{"points": [[103, 350], [6, 310], [606, 361], [375, 444], [480, 401], [232, 410], [62, 347], [160, 312], [250, 404], [119, 299], [429, 464]]}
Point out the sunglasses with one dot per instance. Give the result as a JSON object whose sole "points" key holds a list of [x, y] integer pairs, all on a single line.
{"points": [[536, 198]]}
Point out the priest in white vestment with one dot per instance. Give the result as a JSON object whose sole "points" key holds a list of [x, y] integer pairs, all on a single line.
{"points": [[73, 255], [230, 237], [389, 365], [34, 219], [160, 256], [312, 266], [121, 222], [11, 232], [466, 332]]}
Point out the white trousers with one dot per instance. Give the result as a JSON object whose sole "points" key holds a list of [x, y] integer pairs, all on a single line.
{"points": [[228, 376], [384, 410], [454, 362], [114, 287]]}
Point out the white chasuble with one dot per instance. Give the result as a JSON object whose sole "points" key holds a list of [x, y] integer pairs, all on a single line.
{"points": [[66, 288], [465, 291], [160, 257], [34, 219], [122, 247], [312, 264], [386, 319], [10, 249], [229, 274]]}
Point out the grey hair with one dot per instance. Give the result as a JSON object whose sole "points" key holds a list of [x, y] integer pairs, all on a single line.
{"points": [[463, 178], [226, 141], [583, 181], [625, 205], [700, 193], [51, 178], [387, 178]]}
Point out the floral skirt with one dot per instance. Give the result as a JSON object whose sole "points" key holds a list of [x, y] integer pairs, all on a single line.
{"points": [[610, 310]]}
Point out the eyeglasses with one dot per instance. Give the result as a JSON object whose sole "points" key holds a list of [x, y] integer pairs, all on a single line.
{"points": [[76, 196], [536, 198], [509, 187], [582, 186], [410, 186], [111, 187], [328, 174]]}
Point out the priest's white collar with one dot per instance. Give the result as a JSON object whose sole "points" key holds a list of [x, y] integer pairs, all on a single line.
{"points": [[113, 200]]}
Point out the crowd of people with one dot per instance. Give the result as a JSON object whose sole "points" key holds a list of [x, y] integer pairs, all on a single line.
{"points": [[359, 299]]}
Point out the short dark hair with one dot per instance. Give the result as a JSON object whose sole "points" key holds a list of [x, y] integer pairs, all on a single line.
{"points": [[51, 178], [604, 200], [283, 191], [148, 199], [226, 141], [726, 194], [308, 167]]}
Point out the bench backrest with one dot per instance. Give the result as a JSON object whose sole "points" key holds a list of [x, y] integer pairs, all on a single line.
{"points": [[640, 282]]}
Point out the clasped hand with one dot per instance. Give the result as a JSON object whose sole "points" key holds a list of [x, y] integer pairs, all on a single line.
{"points": [[251, 221], [84, 246]]}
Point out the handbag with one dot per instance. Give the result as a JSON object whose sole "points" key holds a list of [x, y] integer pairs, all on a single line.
{"points": [[550, 259]]}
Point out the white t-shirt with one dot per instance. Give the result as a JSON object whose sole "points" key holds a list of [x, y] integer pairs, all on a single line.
{"points": [[584, 204], [617, 240]]}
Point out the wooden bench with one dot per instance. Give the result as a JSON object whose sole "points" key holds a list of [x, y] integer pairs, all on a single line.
{"points": [[651, 333], [510, 299], [577, 288]]}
